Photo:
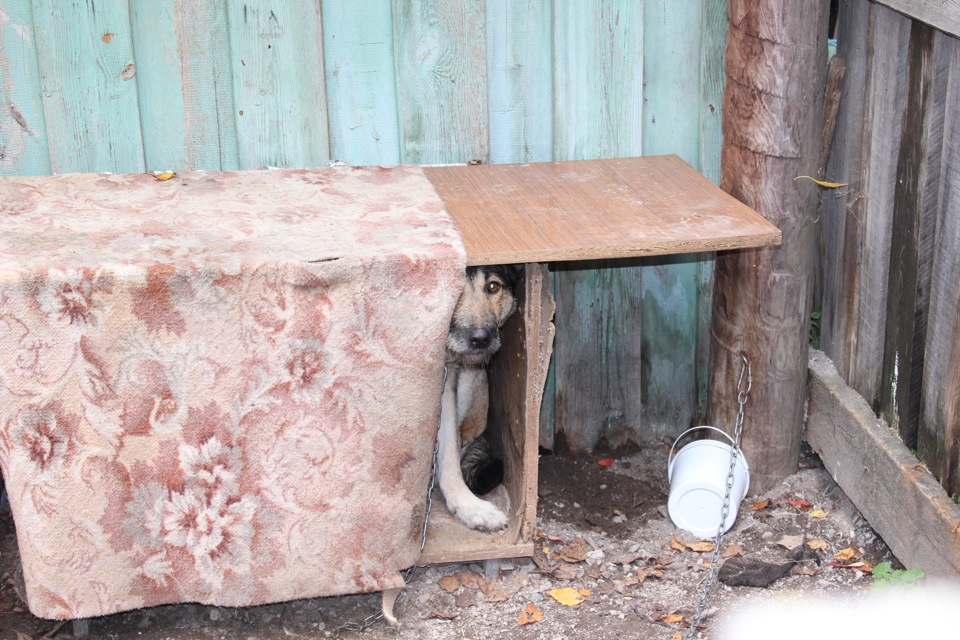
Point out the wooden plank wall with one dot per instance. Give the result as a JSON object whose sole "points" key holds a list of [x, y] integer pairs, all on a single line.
{"points": [[143, 85], [892, 272]]}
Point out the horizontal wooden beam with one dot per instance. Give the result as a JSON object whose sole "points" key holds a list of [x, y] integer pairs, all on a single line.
{"points": [[894, 492], [942, 14]]}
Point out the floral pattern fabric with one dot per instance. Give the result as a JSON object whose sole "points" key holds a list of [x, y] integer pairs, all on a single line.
{"points": [[221, 388]]}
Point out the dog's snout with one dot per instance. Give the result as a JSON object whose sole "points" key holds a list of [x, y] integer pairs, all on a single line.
{"points": [[480, 338]]}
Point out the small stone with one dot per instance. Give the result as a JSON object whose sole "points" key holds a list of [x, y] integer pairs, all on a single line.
{"points": [[766, 535], [536, 596], [214, 615]]}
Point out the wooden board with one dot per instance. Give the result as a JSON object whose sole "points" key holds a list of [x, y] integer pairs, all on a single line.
{"points": [[942, 14], [593, 209], [517, 376], [893, 491]]}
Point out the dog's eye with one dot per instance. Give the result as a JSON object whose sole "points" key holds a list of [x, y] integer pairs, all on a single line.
{"points": [[494, 287]]}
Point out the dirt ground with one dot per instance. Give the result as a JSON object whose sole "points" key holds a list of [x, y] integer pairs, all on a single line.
{"points": [[603, 532]]}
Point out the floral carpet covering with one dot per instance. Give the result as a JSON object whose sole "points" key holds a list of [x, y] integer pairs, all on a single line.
{"points": [[223, 387]]}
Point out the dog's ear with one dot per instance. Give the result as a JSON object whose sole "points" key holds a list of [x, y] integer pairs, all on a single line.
{"points": [[512, 275]]}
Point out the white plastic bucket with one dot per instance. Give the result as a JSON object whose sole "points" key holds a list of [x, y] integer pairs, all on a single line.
{"points": [[698, 482]]}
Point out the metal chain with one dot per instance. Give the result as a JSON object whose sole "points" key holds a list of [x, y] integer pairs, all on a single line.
{"points": [[743, 394], [369, 621]]}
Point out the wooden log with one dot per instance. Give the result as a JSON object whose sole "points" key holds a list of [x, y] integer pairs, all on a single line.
{"points": [[895, 493], [776, 59], [939, 436], [914, 222]]}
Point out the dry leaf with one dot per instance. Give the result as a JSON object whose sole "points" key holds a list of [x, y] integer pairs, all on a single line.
{"points": [[791, 542], [584, 592], [565, 572], [663, 558], [606, 462], [574, 552], [567, 596], [702, 547], [652, 572], [493, 591], [818, 544], [761, 504], [732, 550], [530, 614], [849, 553], [449, 583], [802, 505], [822, 183], [818, 513], [443, 615], [673, 618], [676, 636], [471, 580], [465, 599], [164, 176], [676, 545]]}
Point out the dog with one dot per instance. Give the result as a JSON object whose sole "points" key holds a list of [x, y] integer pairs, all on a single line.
{"points": [[465, 467]]}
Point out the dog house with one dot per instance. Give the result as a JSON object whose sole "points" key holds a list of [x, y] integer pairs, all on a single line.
{"points": [[191, 404]]}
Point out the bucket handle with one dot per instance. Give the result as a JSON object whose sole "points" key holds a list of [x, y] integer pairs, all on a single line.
{"points": [[691, 429]]}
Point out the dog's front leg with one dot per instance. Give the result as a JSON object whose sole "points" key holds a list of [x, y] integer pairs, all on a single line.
{"points": [[471, 510]]}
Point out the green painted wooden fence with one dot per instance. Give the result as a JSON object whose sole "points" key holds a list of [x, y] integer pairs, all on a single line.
{"points": [[141, 85]]}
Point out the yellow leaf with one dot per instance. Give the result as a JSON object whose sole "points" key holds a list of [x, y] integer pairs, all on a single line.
{"points": [[702, 547], [676, 545], [166, 175], [828, 185], [817, 544], [849, 553], [567, 596], [673, 618], [584, 592], [818, 513], [530, 614], [761, 504]]}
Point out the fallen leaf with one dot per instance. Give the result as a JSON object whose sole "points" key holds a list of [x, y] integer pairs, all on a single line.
{"points": [[443, 615], [493, 591], [732, 550], [529, 615], [818, 513], [676, 545], [565, 572], [761, 504], [107, 37], [606, 462], [673, 618], [164, 176], [849, 553], [576, 551], [861, 565], [449, 583], [663, 558], [702, 547], [471, 580], [802, 505], [465, 599], [676, 636], [584, 592], [652, 572], [791, 542], [567, 596], [822, 183], [817, 544]]}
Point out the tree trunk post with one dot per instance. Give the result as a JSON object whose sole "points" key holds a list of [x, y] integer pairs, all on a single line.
{"points": [[773, 106]]}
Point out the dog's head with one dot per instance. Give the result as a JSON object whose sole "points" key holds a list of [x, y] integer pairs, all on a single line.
{"points": [[488, 299]]}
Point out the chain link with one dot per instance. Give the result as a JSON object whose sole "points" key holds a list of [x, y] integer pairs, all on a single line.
{"points": [[369, 621], [743, 394]]}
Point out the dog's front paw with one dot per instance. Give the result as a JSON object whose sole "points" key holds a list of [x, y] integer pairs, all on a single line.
{"points": [[480, 514]]}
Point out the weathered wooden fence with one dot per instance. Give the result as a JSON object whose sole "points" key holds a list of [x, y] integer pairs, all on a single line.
{"points": [[141, 85], [891, 241]]}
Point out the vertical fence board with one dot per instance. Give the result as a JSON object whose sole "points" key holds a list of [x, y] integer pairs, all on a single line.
{"points": [[673, 94], [598, 93], [914, 222], [520, 80], [939, 435], [278, 83], [441, 87], [89, 85], [361, 88], [184, 85], [859, 217], [23, 129]]}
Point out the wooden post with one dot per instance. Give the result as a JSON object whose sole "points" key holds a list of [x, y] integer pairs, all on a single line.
{"points": [[776, 66]]}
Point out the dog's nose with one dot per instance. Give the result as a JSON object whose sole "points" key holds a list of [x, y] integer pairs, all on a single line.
{"points": [[480, 338]]}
